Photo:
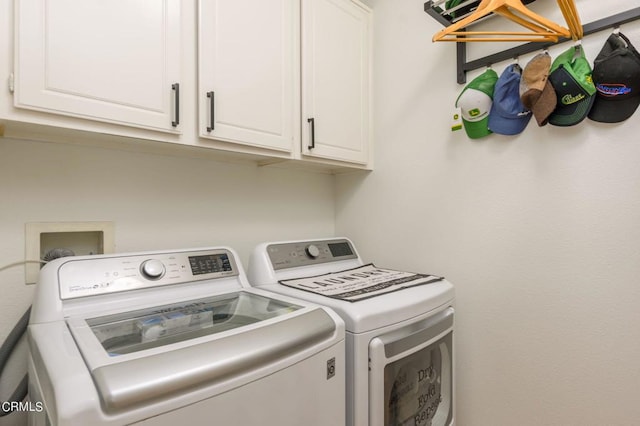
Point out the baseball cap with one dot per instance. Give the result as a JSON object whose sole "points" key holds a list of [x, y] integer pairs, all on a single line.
{"points": [[536, 92], [616, 74], [571, 79], [467, 8], [475, 103], [508, 116], [459, 12]]}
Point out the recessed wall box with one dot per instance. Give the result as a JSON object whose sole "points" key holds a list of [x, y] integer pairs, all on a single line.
{"points": [[83, 238]]}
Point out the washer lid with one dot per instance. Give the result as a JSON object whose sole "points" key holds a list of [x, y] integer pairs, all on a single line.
{"points": [[147, 355], [134, 331]]}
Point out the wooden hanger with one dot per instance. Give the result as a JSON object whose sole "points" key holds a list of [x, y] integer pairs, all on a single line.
{"points": [[541, 29], [570, 13]]}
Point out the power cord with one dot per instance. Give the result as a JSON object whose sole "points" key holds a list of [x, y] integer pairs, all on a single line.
{"points": [[10, 343], [22, 262], [6, 350]]}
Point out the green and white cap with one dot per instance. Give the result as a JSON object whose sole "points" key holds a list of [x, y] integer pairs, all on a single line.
{"points": [[475, 104]]}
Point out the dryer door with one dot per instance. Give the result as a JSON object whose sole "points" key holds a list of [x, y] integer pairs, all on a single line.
{"points": [[411, 374]]}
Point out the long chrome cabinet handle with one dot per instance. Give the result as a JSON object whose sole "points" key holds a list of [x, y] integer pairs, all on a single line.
{"points": [[313, 132], [176, 99], [212, 114]]}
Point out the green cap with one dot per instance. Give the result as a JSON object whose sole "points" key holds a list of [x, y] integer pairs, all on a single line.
{"points": [[475, 104], [575, 62], [453, 3]]}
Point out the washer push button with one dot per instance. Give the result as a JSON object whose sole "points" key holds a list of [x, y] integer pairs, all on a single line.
{"points": [[152, 269]]}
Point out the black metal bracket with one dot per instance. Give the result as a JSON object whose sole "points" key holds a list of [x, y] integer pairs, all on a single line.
{"points": [[463, 66]]}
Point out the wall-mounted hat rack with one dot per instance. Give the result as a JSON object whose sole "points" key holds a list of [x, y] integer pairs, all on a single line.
{"points": [[444, 17]]}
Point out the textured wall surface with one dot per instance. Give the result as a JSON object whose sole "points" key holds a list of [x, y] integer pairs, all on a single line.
{"points": [[539, 232]]}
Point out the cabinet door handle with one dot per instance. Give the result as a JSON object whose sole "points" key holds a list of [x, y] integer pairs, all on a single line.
{"points": [[212, 114], [176, 99], [313, 132]]}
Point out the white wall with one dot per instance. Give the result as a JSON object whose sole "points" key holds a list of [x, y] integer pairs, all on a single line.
{"points": [[540, 233], [156, 202]]}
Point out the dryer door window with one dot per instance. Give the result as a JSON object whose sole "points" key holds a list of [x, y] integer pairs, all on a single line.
{"points": [[411, 374]]}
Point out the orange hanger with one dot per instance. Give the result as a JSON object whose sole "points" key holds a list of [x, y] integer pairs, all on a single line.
{"points": [[570, 14], [541, 29]]}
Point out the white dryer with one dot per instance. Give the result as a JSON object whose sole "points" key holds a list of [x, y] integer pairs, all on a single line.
{"points": [[400, 351], [178, 337]]}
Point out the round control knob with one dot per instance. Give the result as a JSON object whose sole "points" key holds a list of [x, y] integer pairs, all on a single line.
{"points": [[312, 251], [152, 269]]}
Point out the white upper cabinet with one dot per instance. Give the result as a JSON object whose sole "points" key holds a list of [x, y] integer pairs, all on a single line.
{"points": [[248, 72], [336, 80], [237, 79], [115, 61]]}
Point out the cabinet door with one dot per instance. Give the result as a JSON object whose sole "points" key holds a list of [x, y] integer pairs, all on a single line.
{"points": [[248, 78], [113, 61], [335, 79]]}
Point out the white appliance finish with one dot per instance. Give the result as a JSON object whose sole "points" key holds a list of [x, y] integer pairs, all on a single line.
{"points": [[399, 345], [178, 337]]}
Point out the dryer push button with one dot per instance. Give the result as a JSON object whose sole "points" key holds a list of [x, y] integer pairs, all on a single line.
{"points": [[312, 251]]}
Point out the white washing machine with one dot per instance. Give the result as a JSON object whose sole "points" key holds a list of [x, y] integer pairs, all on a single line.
{"points": [[400, 352], [178, 337]]}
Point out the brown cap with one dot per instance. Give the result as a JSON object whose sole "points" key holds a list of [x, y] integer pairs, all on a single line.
{"points": [[536, 92]]}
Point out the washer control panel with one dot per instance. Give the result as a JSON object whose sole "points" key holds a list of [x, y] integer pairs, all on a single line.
{"points": [[109, 274], [293, 255]]}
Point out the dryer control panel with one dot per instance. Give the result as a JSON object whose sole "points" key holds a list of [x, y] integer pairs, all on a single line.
{"points": [[305, 253], [99, 275]]}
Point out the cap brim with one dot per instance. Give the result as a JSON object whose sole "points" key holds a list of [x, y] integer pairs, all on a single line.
{"points": [[477, 129], [570, 115], [530, 97], [614, 110], [545, 105], [507, 125]]}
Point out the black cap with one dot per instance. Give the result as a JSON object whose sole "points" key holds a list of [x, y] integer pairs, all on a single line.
{"points": [[566, 87], [571, 79], [616, 74]]}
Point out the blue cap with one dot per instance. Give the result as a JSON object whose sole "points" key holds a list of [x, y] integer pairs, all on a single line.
{"points": [[508, 116]]}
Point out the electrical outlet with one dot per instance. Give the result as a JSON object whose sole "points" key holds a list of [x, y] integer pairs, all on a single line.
{"points": [[83, 238]]}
